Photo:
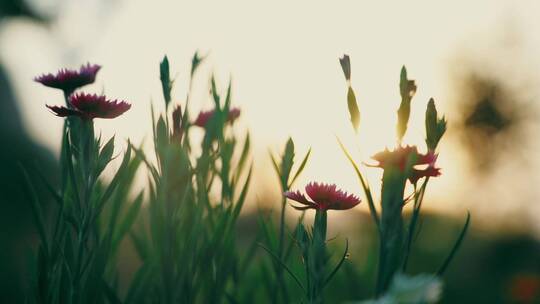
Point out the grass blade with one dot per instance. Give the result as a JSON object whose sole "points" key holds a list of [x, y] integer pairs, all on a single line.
{"points": [[301, 168], [365, 186], [338, 266], [456, 245], [37, 212], [284, 266]]}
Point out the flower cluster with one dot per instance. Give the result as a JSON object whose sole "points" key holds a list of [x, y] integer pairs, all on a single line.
{"points": [[82, 105]]}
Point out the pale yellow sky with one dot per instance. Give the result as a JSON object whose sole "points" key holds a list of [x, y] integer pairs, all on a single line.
{"points": [[283, 59]]}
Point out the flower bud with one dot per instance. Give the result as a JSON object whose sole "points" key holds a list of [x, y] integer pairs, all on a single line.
{"points": [[435, 126]]}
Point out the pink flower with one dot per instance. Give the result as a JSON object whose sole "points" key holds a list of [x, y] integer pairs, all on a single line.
{"points": [[401, 155], [408, 155], [69, 80], [90, 106], [324, 197], [205, 116]]}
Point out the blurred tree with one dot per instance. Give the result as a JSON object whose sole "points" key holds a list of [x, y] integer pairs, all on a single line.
{"points": [[16, 226], [18, 8], [493, 120]]}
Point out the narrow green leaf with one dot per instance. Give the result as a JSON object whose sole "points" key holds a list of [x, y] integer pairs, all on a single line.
{"points": [[243, 158], [243, 194], [418, 198], [301, 168], [71, 169], [365, 186], [195, 62], [141, 247], [228, 97], [128, 220], [105, 156], [37, 212], [456, 245], [275, 165], [338, 266], [268, 229], [284, 267], [57, 197], [215, 93], [138, 285]]}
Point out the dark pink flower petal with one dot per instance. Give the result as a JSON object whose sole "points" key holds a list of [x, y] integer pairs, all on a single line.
{"points": [[205, 116], [70, 80], [297, 196], [62, 111], [402, 157], [427, 159], [97, 106], [321, 193], [234, 113]]}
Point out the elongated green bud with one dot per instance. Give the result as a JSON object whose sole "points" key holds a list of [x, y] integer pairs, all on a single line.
{"points": [[166, 83], [407, 89], [195, 62], [435, 126], [345, 62], [352, 105], [287, 161]]}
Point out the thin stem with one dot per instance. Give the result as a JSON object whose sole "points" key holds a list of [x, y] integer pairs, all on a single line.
{"points": [[418, 198], [318, 273]]}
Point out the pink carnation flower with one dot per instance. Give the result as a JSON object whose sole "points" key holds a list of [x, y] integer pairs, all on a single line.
{"points": [[205, 116], [90, 106], [400, 158], [323, 197], [70, 80]]}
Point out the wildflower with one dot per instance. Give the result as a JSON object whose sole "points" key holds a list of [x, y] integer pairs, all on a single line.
{"points": [[90, 106], [70, 80], [205, 116], [324, 196], [404, 158]]}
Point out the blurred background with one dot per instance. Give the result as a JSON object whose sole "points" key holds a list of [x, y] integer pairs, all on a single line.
{"points": [[479, 60]]}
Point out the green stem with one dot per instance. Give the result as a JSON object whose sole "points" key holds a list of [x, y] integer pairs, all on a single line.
{"points": [[86, 162], [418, 198], [318, 272], [392, 232]]}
